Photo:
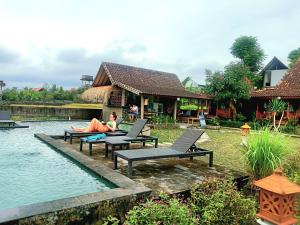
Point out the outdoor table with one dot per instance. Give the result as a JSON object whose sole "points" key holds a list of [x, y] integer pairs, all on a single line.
{"points": [[193, 119], [114, 144]]}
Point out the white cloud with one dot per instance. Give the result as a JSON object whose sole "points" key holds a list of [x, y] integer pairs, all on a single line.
{"points": [[57, 41]]}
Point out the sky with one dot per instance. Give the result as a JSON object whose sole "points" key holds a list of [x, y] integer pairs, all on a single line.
{"points": [[57, 41]]}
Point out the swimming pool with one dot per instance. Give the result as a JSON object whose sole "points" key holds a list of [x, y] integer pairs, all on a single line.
{"points": [[32, 172]]}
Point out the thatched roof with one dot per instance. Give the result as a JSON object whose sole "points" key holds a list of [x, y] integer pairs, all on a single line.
{"points": [[98, 94]]}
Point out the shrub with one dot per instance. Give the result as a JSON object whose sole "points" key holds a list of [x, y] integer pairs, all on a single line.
{"points": [[264, 152], [240, 117], [290, 127], [166, 211], [215, 121], [218, 202], [231, 123]]}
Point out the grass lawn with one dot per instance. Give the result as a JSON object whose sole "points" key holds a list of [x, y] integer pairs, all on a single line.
{"points": [[226, 144]]}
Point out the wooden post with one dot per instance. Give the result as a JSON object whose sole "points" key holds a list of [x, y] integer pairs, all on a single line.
{"points": [[288, 110], [142, 107], [175, 110], [123, 98], [256, 114]]}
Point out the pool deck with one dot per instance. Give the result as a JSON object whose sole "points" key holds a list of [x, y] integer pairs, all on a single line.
{"points": [[169, 175]]}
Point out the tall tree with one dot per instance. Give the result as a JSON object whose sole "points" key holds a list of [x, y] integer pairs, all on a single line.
{"points": [[249, 51], [231, 86], [293, 57]]}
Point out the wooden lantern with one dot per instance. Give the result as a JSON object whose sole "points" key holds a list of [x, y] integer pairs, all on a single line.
{"points": [[277, 199], [245, 129]]}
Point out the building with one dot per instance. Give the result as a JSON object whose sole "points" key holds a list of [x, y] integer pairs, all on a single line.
{"points": [[154, 92], [288, 89], [37, 89], [273, 72], [86, 81]]}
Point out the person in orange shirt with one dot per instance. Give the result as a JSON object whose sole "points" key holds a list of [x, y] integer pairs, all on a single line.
{"points": [[97, 126]]}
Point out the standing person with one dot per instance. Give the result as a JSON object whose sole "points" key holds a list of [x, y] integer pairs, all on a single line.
{"points": [[133, 112], [97, 126]]}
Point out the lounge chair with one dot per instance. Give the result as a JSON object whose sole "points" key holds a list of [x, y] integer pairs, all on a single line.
{"points": [[183, 147], [5, 118], [70, 134], [133, 136]]}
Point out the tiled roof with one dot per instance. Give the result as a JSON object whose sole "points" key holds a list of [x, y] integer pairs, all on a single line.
{"points": [[288, 87], [145, 81]]}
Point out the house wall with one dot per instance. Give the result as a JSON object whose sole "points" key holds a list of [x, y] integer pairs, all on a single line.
{"points": [[276, 76]]}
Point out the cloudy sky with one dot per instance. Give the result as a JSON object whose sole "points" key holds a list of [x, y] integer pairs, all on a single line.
{"points": [[57, 41]]}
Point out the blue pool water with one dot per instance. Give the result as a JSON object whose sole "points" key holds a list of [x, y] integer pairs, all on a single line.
{"points": [[32, 172]]}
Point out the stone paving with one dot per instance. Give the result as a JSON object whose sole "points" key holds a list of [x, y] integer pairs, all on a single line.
{"points": [[168, 175]]}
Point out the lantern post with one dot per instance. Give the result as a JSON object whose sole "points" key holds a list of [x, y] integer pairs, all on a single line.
{"points": [[277, 199]]}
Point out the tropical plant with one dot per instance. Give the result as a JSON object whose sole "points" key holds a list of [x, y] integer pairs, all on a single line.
{"points": [[264, 152], [277, 106], [165, 211], [218, 202]]}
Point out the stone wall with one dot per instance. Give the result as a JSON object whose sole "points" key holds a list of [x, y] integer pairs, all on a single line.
{"points": [[85, 214], [54, 112]]}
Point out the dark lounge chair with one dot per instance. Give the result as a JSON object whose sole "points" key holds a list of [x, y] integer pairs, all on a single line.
{"points": [[183, 147], [133, 136], [5, 118], [70, 134]]}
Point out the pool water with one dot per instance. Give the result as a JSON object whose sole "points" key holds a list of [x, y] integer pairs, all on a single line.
{"points": [[32, 172]]}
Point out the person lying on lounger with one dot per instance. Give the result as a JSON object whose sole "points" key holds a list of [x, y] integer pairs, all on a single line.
{"points": [[97, 126]]}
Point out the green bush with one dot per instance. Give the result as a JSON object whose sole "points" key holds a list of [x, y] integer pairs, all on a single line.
{"points": [[259, 124], [290, 127], [163, 119], [166, 211], [264, 152], [215, 121], [218, 202], [240, 117], [231, 123]]}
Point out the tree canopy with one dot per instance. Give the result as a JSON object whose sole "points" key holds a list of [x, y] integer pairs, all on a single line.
{"points": [[49, 93], [293, 57], [249, 51]]}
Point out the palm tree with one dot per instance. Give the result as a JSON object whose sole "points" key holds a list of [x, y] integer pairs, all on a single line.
{"points": [[277, 106]]}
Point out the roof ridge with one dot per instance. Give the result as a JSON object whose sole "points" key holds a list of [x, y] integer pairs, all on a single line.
{"points": [[137, 67]]}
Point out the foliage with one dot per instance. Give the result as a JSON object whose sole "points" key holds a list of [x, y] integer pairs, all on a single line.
{"points": [[259, 124], [232, 86], [293, 57], [163, 119], [264, 152], [111, 221], [277, 106], [290, 126], [248, 50], [215, 121], [166, 211], [190, 107], [240, 117], [49, 93], [231, 123], [218, 202]]}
